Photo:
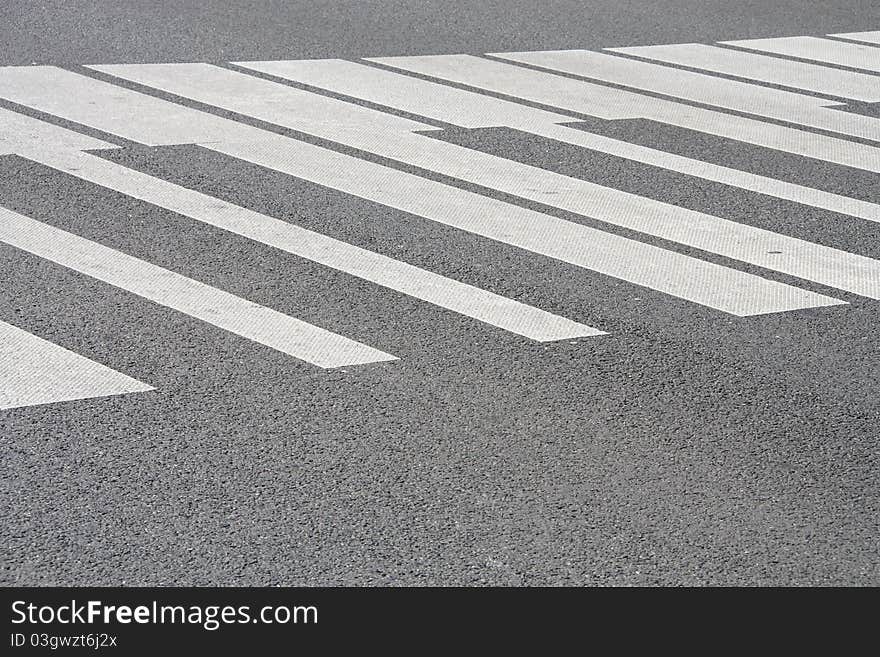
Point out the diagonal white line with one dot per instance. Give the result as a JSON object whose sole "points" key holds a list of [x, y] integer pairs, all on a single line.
{"points": [[441, 291], [734, 95], [613, 104], [353, 126], [764, 68], [473, 110], [35, 371], [828, 51], [209, 304], [117, 110], [867, 37]]}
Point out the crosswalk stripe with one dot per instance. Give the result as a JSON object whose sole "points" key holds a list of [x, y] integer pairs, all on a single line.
{"points": [[414, 95], [493, 309], [19, 133], [77, 98], [828, 51], [467, 300], [473, 110], [289, 107], [35, 371], [222, 309], [746, 180], [612, 104], [298, 109], [867, 37], [682, 276], [688, 278], [764, 68], [808, 111]]}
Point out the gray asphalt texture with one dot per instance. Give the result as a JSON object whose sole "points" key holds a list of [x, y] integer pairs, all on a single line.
{"points": [[686, 447]]}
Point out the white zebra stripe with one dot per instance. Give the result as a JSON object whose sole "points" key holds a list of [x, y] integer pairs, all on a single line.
{"points": [[764, 68], [734, 95], [441, 291], [867, 37], [115, 110], [473, 110], [852, 55], [34, 371], [609, 103], [216, 307], [348, 124]]}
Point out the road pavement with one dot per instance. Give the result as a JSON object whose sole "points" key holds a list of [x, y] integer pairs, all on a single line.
{"points": [[519, 293]]}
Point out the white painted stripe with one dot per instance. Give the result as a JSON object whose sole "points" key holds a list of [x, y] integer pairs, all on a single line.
{"points": [[789, 255], [19, 132], [764, 68], [688, 278], [222, 309], [467, 300], [612, 104], [414, 95], [867, 37], [720, 92], [34, 371], [735, 178], [853, 55], [269, 101], [473, 110], [302, 110], [77, 98]]}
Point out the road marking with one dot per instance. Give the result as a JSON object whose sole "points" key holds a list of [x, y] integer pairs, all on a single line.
{"points": [[473, 110], [245, 94], [479, 304], [283, 105], [612, 104], [688, 278], [853, 55], [867, 37], [20, 133], [35, 371], [222, 309], [720, 92], [292, 108], [414, 95], [764, 68], [464, 299], [78, 98]]}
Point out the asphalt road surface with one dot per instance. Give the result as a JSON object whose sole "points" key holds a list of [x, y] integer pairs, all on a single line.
{"points": [[522, 317]]}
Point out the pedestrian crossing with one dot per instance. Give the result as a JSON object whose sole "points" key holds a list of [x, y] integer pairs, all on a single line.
{"points": [[721, 288], [381, 270], [867, 37], [612, 103], [757, 67], [208, 304], [468, 109], [35, 371], [281, 105], [827, 51], [750, 99], [368, 129]]}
